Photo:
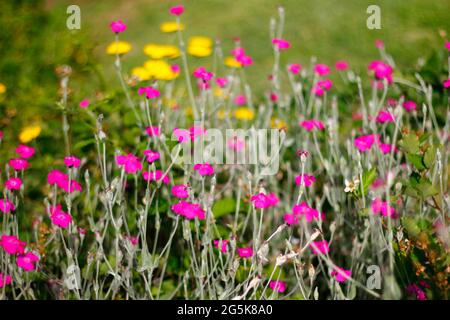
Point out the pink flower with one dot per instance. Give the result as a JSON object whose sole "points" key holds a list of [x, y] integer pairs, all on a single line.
{"points": [[175, 68], [182, 135], [222, 245], [18, 164], [320, 247], [291, 218], [189, 210], [341, 275], [241, 57], [310, 214], [221, 82], [273, 97], [13, 184], [278, 286], [204, 169], [4, 280], [385, 116], [321, 69], [381, 70], [150, 92], [26, 261], [236, 144], [240, 100], [409, 105], [364, 143], [309, 125], [262, 201], [385, 148], [151, 156], [379, 44], [245, 252], [60, 218], [414, 289], [84, 103], [382, 207], [72, 161], [201, 73], [12, 244], [325, 84], [118, 26], [56, 177], [447, 45], [446, 83], [152, 131], [318, 90], [378, 183], [180, 191], [130, 163], [281, 44], [176, 10], [24, 151], [134, 240], [341, 65], [294, 68], [6, 206], [306, 179], [156, 175], [70, 187]]}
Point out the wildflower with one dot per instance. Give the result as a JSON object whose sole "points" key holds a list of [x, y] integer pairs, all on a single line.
{"points": [[262, 201], [6, 206], [29, 133], [72, 162], [71, 186], [232, 62], [12, 244], [321, 69], [291, 218], [13, 184], [150, 92], [320, 247], [446, 83], [189, 210], [447, 45], [141, 73], [18, 164], [341, 275], [176, 10], [180, 191], [201, 73], [56, 177], [245, 252], [134, 240], [27, 261], [278, 124], [385, 116], [381, 70], [278, 286], [118, 26], [409, 105], [244, 113], [378, 183], [364, 143], [156, 175], [118, 47], [281, 44], [294, 68], [199, 46], [171, 26], [414, 289], [351, 186], [151, 156], [303, 210], [341, 65], [204, 169], [382, 207], [84, 103], [4, 280], [24, 151], [240, 100], [273, 97], [309, 125], [379, 44], [130, 163], [152, 131], [222, 245], [306, 179], [2, 88], [241, 57], [60, 218], [160, 51], [221, 82], [236, 144], [385, 148]]}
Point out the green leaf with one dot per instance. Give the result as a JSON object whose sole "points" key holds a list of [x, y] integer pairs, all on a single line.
{"points": [[368, 178], [223, 207], [426, 189], [410, 143], [429, 156], [416, 160]]}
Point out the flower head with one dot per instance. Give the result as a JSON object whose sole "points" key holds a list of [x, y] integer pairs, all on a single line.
{"points": [[30, 133], [341, 65], [320, 247], [245, 252], [305, 179], [310, 125], [84, 103], [303, 210], [204, 169], [24, 151], [27, 261], [176, 10], [277, 285], [152, 131], [151, 156], [5, 280], [281, 44], [262, 201], [385, 116], [381, 70], [351, 186], [189, 210], [18, 164], [409, 105], [156, 175], [6, 206], [13, 184], [118, 26], [341, 275], [378, 206], [321, 69], [222, 245], [150, 92], [72, 162], [130, 163], [60, 218], [118, 47], [294, 68], [180, 191], [12, 244], [364, 143]]}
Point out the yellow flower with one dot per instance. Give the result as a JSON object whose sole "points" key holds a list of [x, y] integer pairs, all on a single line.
{"points": [[141, 73], [244, 113], [160, 70], [232, 62], [171, 26], [278, 123], [120, 47], [199, 46], [159, 51], [2, 88], [29, 133], [189, 111]]}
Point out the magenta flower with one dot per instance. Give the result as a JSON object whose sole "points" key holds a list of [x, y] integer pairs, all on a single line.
{"points": [[18, 164], [306, 179], [180, 191], [150, 92], [379, 44], [175, 68], [236, 144], [414, 289], [447, 45], [189, 210], [321, 69], [222, 245], [24, 151], [385, 116], [446, 83], [378, 206], [291, 218], [60, 218], [151, 156], [118, 26], [156, 175], [12, 244], [84, 103], [70, 187], [6, 206], [309, 125], [262, 201], [240, 100], [310, 214], [72, 161], [152, 131], [278, 286], [56, 177], [201, 73], [241, 57], [381, 70], [221, 82], [204, 169], [409, 105], [130, 163], [385, 147], [341, 275], [281, 44], [320, 247], [27, 261], [176, 10], [4, 280], [134, 240], [13, 184], [294, 68], [341, 65], [364, 143], [245, 252]]}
